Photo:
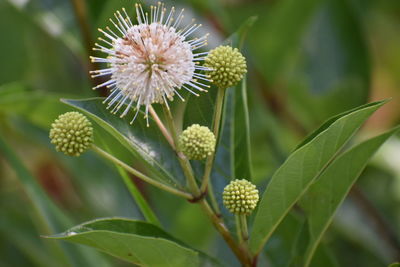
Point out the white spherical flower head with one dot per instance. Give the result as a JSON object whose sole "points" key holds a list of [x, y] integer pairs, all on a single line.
{"points": [[149, 62]]}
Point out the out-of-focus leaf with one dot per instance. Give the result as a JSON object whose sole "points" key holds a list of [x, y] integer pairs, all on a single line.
{"points": [[324, 257], [38, 107], [325, 196], [279, 249], [37, 58], [137, 196], [278, 33], [302, 167], [145, 143], [52, 216], [332, 71], [110, 7], [134, 241], [29, 245]]}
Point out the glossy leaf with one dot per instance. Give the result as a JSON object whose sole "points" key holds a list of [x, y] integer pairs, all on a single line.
{"points": [[134, 241], [145, 143], [302, 167], [325, 196]]}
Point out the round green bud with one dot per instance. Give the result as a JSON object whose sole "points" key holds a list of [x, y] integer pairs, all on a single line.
{"points": [[228, 66], [240, 197], [197, 142], [71, 133]]}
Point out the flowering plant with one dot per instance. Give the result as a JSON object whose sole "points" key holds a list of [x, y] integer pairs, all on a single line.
{"points": [[147, 64], [175, 116]]}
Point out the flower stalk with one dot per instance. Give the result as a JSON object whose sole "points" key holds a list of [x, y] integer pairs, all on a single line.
{"points": [[216, 126], [162, 127], [184, 162], [242, 254], [140, 175]]}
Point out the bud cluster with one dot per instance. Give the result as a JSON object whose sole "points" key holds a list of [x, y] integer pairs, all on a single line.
{"points": [[197, 142], [228, 66], [240, 197], [71, 133]]}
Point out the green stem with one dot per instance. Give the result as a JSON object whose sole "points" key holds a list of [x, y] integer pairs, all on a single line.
{"points": [[162, 128], [240, 253], [183, 160], [136, 195], [243, 227], [140, 175], [218, 223], [213, 199], [238, 229], [139, 199], [216, 127]]}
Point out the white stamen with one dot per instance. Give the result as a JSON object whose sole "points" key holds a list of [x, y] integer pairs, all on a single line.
{"points": [[149, 62]]}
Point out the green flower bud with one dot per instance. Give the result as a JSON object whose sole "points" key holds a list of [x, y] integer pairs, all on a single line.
{"points": [[197, 142], [228, 66], [71, 133], [240, 197]]}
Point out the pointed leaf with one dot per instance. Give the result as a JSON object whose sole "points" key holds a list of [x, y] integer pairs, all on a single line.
{"points": [[134, 241], [302, 167], [145, 143], [325, 196]]}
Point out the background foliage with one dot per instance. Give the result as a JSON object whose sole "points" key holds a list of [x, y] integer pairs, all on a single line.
{"points": [[308, 60]]}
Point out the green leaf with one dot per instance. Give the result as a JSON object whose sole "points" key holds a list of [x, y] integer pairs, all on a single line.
{"points": [[301, 168], [138, 197], [234, 140], [277, 34], [38, 107], [332, 71], [145, 143], [325, 196], [239, 117], [52, 218], [134, 241], [239, 131], [48, 65]]}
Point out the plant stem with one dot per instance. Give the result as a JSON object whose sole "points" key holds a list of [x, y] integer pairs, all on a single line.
{"points": [[238, 229], [213, 199], [162, 127], [184, 162], [140, 175], [243, 227], [241, 254], [216, 126], [136, 194], [218, 223], [243, 234]]}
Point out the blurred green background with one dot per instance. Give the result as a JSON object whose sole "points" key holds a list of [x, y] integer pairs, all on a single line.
{"points": [[307, 61]]}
